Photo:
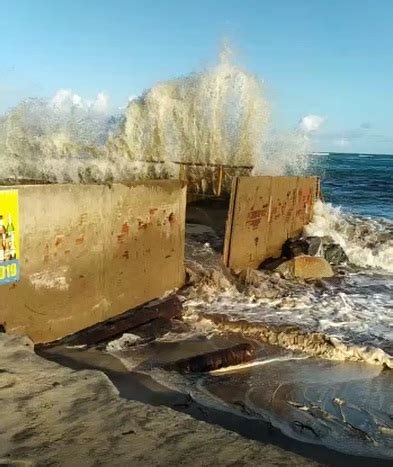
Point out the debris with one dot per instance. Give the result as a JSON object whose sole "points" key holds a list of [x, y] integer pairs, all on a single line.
{"points": [[311, 246], [306, 267], [168, 309], [214, 360]]}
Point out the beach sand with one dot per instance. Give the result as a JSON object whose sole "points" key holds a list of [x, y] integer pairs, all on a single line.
{"points": [[54, 415]]}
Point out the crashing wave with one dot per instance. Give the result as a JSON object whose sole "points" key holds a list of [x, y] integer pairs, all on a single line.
{"points": [[367, 242], [217, 116]]}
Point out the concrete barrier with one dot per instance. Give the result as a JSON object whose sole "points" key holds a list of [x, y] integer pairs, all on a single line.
{"points": [[90, 252], [263, 213]]}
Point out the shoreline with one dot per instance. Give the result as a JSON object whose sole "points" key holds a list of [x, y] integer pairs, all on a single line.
{"points": [[54, 415], [143, 388]]}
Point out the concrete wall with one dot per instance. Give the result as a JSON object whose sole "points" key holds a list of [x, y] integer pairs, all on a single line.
{"points": [[90, 252], [263, 213]]}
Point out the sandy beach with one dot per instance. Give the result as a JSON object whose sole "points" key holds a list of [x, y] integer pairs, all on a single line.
{"points": [[52, 415]]}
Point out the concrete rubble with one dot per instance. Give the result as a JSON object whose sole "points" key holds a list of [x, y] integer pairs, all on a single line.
{"points": [[306, 267]]}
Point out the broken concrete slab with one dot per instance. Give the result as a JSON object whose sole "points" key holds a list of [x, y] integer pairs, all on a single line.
{"points": [[306, 267], [263, 213], [168, 309], [210, 361]]}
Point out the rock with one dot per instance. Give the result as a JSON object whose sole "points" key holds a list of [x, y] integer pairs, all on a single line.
{"points": [[311, 246], [315, 246], [271, 263], [335, 254], [294, 247], [306, 267]]}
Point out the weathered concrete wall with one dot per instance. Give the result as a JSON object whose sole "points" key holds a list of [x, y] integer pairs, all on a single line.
{"points": [[264, 212], [90, 252]]}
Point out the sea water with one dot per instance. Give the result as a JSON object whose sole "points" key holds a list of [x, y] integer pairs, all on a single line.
{"points": [[359, 183]]}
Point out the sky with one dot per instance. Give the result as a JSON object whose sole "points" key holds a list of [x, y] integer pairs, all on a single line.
{"points": [[326, 64]]}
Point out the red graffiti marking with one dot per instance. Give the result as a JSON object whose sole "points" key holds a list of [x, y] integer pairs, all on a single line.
{"points": [[125, 228], [83, 218], [255, 217], [141, 224]]}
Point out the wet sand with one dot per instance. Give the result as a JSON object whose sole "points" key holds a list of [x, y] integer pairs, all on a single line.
{"points": [[140, 386], [51, 414]]}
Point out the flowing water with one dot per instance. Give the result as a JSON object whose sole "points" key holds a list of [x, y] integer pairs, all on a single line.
{"points": [[327, 379], [342, 405]]}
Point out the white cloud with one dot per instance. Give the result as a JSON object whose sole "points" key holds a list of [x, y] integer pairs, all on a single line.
{"points": [[311, 123], [66, 99], [101, 103]]}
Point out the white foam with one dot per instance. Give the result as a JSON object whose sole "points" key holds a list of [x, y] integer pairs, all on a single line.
{"points": [[124, 342], [367, 242]]}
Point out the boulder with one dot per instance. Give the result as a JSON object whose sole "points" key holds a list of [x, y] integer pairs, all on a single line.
{"points": [[315, 246], [306, 267], [311, 246], [335, 254]]}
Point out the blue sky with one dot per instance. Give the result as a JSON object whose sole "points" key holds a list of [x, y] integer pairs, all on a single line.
{"points": [[328, 58]]}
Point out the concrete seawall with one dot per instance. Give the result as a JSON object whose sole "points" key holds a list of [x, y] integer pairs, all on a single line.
{"points": [[263, 213], [90, 252]]}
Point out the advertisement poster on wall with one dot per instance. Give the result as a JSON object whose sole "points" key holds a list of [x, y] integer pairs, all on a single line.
{"points": [[9, 237]]}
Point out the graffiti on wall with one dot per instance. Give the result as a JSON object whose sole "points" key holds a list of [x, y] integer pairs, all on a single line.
{"points": [[264, 212], [9, 237]]}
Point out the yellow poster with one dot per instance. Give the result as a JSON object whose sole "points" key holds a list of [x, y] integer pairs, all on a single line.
{"points": [[9, 237]]}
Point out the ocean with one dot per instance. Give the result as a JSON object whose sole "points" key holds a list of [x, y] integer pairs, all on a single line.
{"points": [[360, 183]]}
